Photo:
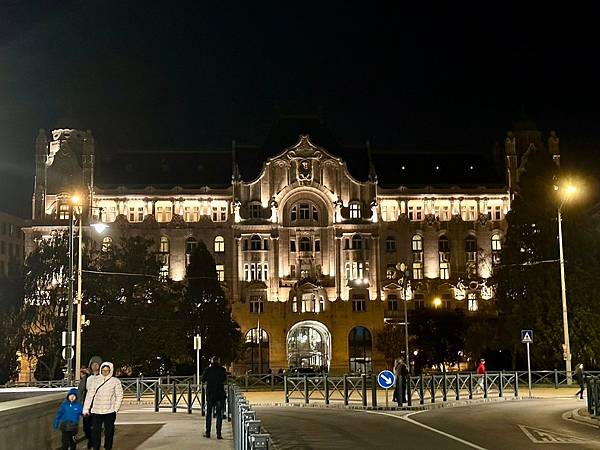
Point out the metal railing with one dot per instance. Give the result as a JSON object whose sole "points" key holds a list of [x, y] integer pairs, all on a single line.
{"points": [[592, 384], [424, 388]]}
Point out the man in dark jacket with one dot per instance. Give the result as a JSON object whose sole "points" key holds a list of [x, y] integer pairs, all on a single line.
{"points": [[214, 377]]}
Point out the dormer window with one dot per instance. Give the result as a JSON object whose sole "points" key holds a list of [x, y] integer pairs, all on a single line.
{"points": [[355, 210]]}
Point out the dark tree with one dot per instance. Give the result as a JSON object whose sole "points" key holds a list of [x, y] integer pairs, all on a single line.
{"points": [[206, 311], [11, 329], [46, 293], [389, 340], [529, 295]]}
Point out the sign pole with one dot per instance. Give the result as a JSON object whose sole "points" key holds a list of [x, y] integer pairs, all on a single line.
{"points": [[386, 399], [197, 347], [528, 369]]}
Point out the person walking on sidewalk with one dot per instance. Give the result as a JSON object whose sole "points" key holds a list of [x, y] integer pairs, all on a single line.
{"points": [[214, 377], [85, 384], [67, 418], [579, 377], [102, 402], [481, 370]]}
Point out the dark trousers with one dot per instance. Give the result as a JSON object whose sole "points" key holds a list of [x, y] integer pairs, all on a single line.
{"points": [[400, 390], [217, 407], [68, 440], [580, 391], [87, 429], [108, 420]]}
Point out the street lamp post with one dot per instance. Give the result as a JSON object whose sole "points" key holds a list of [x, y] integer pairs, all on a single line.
{"points": [[568, 192], [69, 344], [405, 274]]}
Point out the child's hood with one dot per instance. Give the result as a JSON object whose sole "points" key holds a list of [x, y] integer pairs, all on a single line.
{"points": [[73, 391]]}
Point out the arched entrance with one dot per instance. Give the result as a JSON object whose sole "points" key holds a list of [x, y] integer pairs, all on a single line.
{"points": [[309, 346]]}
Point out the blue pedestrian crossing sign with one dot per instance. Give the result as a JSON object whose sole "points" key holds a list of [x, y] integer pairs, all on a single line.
{"points": [[386, 379], [527, 336]]}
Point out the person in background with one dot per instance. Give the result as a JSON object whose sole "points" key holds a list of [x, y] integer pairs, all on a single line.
{"points": [[67, 418], [580, 378], [103, 402], [85, 384], [481, 370], [214, 376]]}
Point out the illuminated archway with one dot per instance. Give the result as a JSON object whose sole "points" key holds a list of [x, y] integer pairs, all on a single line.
{"points": [[308, 344]]}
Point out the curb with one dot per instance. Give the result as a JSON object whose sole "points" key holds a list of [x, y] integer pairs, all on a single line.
{"points": [[577, 417], [424, 407]]}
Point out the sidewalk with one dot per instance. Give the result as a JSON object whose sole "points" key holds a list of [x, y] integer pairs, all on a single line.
{"points": [[140, 428]]}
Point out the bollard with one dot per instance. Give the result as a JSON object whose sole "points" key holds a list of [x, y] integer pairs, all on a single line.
{"points": [[285, 389], [246, 416], [260, 442], [516, 384], [421, 390], [373, 391], [346, 390], [326, 381], [189, 398], [252, 426], [363, 378], [174, 399]]}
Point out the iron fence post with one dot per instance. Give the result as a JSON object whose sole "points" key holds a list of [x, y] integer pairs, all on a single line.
{"points": [[137, 389], [501, 385], [516, 384], [346, 390], [189, 396], [374, 391], [485, 385], [444, 387], [174, 399], [555, 379], [305, 389], [326, 381], [363, 378], [421, 390], [156, 397], [470, 385], [433, 387], [285, 389], [457, 385]]}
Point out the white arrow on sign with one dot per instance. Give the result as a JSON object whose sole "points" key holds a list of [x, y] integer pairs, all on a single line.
{"points": [[386, 379]]}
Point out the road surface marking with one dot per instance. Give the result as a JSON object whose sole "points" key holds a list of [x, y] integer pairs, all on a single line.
{"points": [[542, 436], [427, 427]]}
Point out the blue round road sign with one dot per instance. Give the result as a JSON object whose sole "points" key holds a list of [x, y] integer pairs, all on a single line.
{"points": [[386, 379]]}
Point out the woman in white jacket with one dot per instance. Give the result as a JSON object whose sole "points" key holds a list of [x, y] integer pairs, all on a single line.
{"points": [[103, 401]]}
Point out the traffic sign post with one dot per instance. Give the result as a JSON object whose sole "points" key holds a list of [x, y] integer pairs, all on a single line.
{"points": [[527, 338], [386, 379]]}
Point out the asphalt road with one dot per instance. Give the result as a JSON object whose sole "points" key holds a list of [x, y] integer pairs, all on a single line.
{"points": [[525, 424]]}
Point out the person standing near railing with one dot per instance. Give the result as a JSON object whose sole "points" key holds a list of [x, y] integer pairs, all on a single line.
{"points": [[579, 377], [481, 370], [215, 377]]}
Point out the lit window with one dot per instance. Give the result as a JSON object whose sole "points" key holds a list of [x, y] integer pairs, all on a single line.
{"points": [[390, 244], [417, 270], [472, 302], [219, 244], [191, 213], [164, 244], [63, 214], [442, 212], [256, 272], [136, 213], [220, 272], [354, 210], [415, 213], [106, 243], [496, 248], [164, 213], [468, 212], [108, 214], [219, 213], [444, 271], [495, 212]]}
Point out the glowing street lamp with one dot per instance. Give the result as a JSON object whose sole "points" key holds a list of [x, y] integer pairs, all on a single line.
{"points": [[566, 194], [437, 302]]}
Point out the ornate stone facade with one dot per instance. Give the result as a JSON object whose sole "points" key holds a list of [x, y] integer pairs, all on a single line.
{"points": [[307, 253]]}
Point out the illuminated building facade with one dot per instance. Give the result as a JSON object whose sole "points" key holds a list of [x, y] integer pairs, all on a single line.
{"points": [[307, 245]]}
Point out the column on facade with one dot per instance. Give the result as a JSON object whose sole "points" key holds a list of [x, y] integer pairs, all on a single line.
{"points": [[274, 268], [150, 207], [237, 269], [375, 256], [338, 267], [176, 207], [121, 206]]}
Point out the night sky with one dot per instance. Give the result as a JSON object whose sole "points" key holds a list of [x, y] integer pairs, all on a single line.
{"points": [[179, 75]]}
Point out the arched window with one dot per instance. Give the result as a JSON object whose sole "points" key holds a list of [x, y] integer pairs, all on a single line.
{"points": [[255, 242], [219, 244], [390, 244], [256, 351], [417, 254], [356, 242], [360, 350], [107, 243], [190, 246], [164, 244], [305, 244], [304, 211]]}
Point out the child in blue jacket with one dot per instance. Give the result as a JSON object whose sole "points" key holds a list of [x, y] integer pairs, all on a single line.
{"points": [[67, 417]]}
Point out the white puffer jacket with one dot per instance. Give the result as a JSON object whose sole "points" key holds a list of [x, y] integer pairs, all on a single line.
{"points": [[105, 395]]}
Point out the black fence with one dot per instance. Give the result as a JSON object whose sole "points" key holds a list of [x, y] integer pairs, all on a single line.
{"points": [[592, 384]]}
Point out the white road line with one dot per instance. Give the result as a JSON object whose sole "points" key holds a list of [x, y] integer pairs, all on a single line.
{"points": [[427, 427]]}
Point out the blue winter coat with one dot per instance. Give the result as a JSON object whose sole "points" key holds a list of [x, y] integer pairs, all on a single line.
{"points": [[69, 412]]}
